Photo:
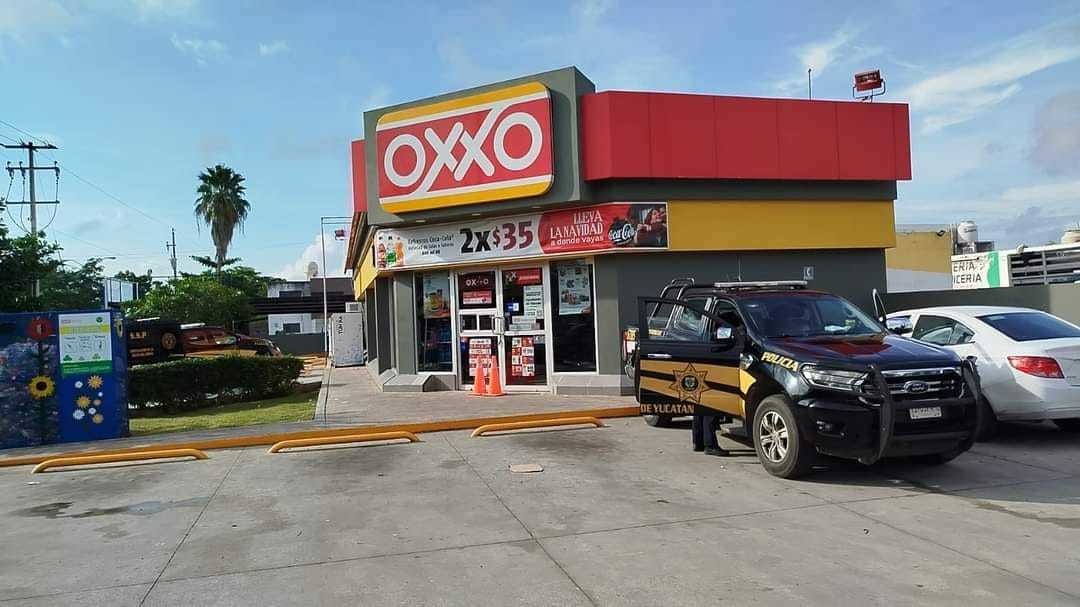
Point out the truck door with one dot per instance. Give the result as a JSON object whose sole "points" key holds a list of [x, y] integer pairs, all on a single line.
{"points": [[691, 361]]}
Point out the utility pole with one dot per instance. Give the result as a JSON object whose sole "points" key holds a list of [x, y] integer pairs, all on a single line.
{"points": [[172, 248], [809, 84], [30, 146]]}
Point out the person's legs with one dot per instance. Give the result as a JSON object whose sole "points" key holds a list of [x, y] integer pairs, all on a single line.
{"points": [[712, 446], [697, 432]]}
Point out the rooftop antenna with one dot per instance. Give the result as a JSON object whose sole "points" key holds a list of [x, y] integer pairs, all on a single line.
{"points": [[809, 84]]}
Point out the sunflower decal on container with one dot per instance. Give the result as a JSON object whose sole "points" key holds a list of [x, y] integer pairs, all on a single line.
{"points": [[39, 329], [41, 387], [83, 401], [95, 382]]}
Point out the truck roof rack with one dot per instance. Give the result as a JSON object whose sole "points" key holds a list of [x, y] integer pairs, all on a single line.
{"points": [[761, 284], [681, 282]]}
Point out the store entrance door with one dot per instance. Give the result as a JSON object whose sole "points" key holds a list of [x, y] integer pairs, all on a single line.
{"points": [[524, 348], [502, 313]]}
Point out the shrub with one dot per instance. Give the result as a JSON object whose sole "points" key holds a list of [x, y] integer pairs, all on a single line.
{"points": [[192, 383]]}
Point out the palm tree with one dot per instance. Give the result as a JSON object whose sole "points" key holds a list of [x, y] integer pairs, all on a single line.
{"points": [[222, 207]]}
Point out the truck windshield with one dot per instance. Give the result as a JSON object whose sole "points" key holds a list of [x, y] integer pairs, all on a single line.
{"points": [[807, 315]]}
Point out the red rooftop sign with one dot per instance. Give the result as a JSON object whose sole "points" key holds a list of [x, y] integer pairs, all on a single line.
{"points": [[485, 147]]}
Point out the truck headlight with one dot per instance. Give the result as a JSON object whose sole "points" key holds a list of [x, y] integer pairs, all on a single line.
{"points": [[834, 379]]}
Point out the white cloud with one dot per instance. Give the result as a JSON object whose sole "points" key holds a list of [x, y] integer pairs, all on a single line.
{"points": [[164, 9], [821, 54], [963, 92], [267, 49], [22, 20], [335, 258], [203, 51], [1065, 191]]}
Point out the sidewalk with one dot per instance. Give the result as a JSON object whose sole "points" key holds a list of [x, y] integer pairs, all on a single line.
{"points": [[349, 398]]}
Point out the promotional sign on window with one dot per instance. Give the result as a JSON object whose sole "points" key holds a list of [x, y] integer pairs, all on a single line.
{"points": [[575, 289], [602, 227], [522, 361], [437, 295]]}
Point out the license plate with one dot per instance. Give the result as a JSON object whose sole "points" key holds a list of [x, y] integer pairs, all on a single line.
{"points": [[924, 412]]}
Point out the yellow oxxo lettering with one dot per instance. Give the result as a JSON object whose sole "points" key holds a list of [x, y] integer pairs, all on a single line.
{"points": [[782, 361]]}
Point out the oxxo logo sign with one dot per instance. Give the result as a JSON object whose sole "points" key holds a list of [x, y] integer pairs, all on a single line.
{"points": [[485, 147]]}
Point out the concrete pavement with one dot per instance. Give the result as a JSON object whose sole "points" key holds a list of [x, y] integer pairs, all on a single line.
{"points": [[623, 515]]}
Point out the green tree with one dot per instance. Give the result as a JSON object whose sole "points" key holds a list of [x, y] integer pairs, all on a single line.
{"points": [[71, 287], [23, 260], [222, 207], [193, 299]]}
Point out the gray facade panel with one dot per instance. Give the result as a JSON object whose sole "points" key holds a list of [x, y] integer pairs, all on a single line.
{"points": [[405, 322], [383, 328], [566, 85], [621, 279]]}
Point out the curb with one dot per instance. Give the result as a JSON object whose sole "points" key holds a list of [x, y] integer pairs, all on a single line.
{"points": [[270, 439]]}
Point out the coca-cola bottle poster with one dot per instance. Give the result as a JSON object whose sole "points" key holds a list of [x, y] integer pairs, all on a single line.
{"points": [[606, 226]]}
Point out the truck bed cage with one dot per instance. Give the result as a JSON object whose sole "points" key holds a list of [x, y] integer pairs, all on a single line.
{"points": [[761, 284]]}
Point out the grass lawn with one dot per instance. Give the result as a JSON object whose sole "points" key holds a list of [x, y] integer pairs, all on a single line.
{"points": [[291, 408]]}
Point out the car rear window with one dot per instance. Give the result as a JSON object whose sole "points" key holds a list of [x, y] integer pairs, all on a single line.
{"points": [[1030, 326]]}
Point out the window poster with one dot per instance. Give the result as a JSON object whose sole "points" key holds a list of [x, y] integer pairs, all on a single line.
{"points": [[436, 296], [480, 353], [534, 301], [522, 361], [575, 289]]}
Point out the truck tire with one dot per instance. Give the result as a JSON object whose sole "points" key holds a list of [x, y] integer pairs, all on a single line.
{"points": [[936, 459], [780, 446], [988, 422], [658, 421], [1071, 424]]}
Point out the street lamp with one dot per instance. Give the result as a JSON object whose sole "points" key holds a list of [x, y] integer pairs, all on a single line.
{"points": [[339, 234]]}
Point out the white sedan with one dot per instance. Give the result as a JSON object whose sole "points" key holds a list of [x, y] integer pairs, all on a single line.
{"points": [[1028, 361]]}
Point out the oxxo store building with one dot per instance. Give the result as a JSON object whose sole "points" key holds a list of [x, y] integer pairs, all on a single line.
{"points": [[522, 220]]}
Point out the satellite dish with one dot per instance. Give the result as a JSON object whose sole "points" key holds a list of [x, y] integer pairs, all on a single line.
{"points": [[312, 270]]}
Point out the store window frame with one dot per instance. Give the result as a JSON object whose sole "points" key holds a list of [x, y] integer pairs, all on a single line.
{"points": [[553, 311], [418, 277]]}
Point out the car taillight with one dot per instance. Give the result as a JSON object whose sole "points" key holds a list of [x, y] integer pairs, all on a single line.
{"points": [[1039, 366]]}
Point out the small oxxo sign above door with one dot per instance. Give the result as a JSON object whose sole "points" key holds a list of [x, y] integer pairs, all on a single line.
{"points": [[808, 273], [489, 146]]}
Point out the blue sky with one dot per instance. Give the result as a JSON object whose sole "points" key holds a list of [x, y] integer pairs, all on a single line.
{"points": [[141, 95]]}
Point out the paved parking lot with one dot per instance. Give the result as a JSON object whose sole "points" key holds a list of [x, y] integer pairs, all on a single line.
{"points": [[620, 515]]}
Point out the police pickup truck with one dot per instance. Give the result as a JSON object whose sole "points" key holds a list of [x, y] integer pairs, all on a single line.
{"points": [[807, 372]]}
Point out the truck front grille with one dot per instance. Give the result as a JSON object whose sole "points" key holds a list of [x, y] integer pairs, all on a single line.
{"points": [[909, 385]]}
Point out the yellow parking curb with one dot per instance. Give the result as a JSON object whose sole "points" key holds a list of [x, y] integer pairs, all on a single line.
{"points": [[341, 440], [255, 440], [541, 423], [108, 458]]}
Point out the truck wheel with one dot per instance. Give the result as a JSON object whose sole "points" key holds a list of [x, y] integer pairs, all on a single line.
{"points": [[658, 421], [1071, 424], [988, 424], [936, 459], [780, 445]]}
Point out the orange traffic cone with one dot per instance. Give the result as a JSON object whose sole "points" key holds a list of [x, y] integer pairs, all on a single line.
{"points": [[478, 388], [495, 389]]}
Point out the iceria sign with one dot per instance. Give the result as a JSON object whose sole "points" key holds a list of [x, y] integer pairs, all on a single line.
{"points": [[484, 147]]}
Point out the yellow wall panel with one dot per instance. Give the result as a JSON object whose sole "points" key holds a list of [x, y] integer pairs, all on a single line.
{"points": [[754, 225]]}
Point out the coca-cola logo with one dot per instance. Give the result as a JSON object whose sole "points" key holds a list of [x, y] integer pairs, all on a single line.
{"points": [[622, 235]]}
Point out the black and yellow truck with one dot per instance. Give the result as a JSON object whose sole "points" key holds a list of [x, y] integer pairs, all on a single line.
{"points": [[807, 372]]}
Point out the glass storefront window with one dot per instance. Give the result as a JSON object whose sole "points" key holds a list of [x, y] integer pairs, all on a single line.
{"points": [[573, 320], [435, 339]]}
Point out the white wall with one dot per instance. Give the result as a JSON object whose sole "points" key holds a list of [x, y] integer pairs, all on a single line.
{"points": [[899, 281], [309, 323]]}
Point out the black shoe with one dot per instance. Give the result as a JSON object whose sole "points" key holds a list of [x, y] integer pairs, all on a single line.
{"points": [[716, 451], [699, 449]]}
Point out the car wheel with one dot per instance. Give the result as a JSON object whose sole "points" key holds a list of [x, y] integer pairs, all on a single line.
{"points": [[658, 421], [988, 422], [936, 459], [780, 445], [1071, 424]]}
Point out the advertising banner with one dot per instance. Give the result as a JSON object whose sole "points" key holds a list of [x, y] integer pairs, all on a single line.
{"points": [[976, 271], [603, 227]]}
